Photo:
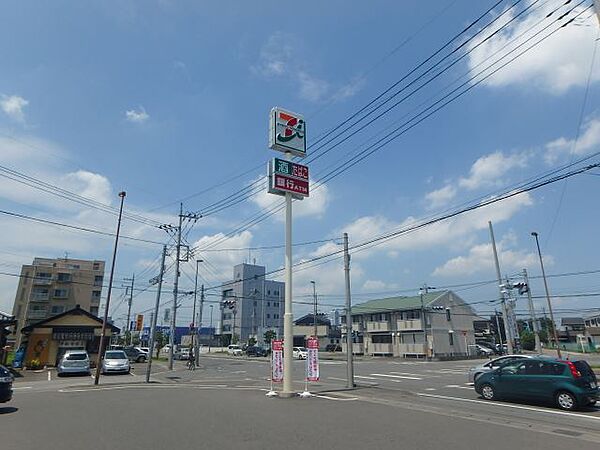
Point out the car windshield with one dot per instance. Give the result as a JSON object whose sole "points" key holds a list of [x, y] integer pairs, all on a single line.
{"points": [[76, 356], [115, 355], [301, 349]]}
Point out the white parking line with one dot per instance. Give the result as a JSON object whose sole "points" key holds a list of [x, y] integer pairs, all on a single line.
{"points": [[22, 387], [506, 405], [364, 377], [395, 376], [49, 376], [415, 374], [335, 398], [430, 389]]}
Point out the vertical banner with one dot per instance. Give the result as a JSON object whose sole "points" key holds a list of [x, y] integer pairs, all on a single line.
{"points": [[277, 360], [312, 360]]}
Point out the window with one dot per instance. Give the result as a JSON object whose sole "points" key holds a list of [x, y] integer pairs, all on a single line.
{"points": [[268, 304], [276, 304], [448, 318], [268, 291], [227, 316], [63, 277], [98, 280], [96, 295], [275, 292], [381, 339], [268, 316], [412, 315], [94, 310], [44, 275], [57, 309], [96, 266], [61, 293], [275, 316], [451, 338], [226, 327], [255, 303]]}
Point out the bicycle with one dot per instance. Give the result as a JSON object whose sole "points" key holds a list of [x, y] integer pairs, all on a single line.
{"points": [[191, 365]]}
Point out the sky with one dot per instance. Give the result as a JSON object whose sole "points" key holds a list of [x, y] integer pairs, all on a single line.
{"points": [[169, 101]]}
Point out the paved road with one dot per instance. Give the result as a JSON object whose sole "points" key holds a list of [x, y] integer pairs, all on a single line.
{"points": [[395, 401]]}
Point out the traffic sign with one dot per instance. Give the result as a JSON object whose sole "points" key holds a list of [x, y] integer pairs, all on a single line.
{"points": [[287, 132], [286, 176]]}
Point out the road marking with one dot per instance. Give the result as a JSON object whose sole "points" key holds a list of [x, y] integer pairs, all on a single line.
{"points": [[505, 405], [395, 376], [364, 377], [452, 385], [414, 374], [430, 389], [49, 376], [22, 387], [335, 398]]}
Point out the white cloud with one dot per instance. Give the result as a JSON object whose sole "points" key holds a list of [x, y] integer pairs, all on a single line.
{"points": [[275, 56], [489, 169], [350, 89], [481, 259], [313, 206], [13, 107], [588, 141], [90, 185], [377, 286], [218, 265], [312, 88], [557, 64], [137, 116], [440, 196]]}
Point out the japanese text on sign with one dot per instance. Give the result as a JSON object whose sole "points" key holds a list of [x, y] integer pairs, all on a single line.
{"points": [[312, 360], [277, 360]]}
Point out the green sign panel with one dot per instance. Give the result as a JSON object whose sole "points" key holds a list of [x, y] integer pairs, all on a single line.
{"points": [[289, 168]]}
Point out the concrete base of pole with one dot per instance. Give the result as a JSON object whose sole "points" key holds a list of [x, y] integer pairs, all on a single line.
{"points": [[288, 394]]}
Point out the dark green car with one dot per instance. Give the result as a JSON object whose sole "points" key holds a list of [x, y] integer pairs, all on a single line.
{"points": [[568, 384]]}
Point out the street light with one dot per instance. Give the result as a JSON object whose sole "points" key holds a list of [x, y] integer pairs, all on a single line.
{"points": [[555, 334], [110, 282], [314, 285], [194, 324]]}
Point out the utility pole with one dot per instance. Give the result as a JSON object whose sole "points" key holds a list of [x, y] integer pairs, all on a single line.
{"points": [[349, 342], [182, 216], [110, 282], [424, 290], [507, 330], [195, 325], [498, 329], [197, 348], [555, 334], [154, 318], [536, 325], [212, 335], [314, 285], [129, 302]]}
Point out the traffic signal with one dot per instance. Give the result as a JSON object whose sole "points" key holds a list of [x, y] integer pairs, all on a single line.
{"points": [[522, 287], [229, 304]]}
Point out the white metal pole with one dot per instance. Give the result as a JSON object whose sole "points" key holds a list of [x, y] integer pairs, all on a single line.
{"points": [[288, 333], [536, 328]]}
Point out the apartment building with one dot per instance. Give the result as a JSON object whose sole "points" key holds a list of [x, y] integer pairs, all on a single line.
{"points": [[49, 287], [250, 304], [436, 324]]}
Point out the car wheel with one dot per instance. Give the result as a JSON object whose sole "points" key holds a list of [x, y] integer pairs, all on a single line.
{"points": [[488, 392], [566, 401]]}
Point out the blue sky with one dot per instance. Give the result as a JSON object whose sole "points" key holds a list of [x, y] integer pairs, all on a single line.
{"points": [[167, 99]]}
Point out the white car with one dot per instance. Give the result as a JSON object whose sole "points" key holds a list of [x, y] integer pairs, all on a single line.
{"points": [[474, 372], [115, 361], [234, 350], [146, 350], [300, 353]]}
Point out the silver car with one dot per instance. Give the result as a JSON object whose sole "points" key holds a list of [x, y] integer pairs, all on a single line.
{"points": [[474, 372], [115, 361], [74, 361]]}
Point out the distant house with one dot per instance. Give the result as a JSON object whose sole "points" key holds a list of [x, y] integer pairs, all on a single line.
{"points": [[304, 327], [592, 329], [570, 328], [436, 324]]}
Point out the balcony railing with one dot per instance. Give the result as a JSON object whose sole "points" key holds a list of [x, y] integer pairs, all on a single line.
{"points": [[411, 349], [37, 314], [378, 326], [42, 281], [39, 297], [381, 349], [410, 325]]}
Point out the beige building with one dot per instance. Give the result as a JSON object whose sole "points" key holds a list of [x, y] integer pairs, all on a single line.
{"points": [[436, 324], [49, 287]]}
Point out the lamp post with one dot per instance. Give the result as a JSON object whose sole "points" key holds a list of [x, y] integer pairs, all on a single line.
{"points": [[122, 195], [195, 326], [555, 334], [314, 285]]}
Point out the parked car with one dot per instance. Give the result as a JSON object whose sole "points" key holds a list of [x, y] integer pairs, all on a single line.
{"points": [[333, 348], [234, 350], [6, 381], [115, 361], [184, 354], [145, 350], [475, 372], [135, 355], [568, 384], [255, 350], [480, 350], [300, 353], [74, 361]]}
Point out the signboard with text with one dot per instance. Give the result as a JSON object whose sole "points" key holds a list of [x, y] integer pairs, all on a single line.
{"points": [[287, 132], [286, 176], [277, 360], [312, 360]]}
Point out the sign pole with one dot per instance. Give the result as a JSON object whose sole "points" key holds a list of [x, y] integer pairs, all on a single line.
{"points": [[288, 332]]}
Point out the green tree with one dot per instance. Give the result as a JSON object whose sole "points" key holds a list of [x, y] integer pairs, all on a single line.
{"points": [[251, 341], [160, 340], [527, 340], [235, 339], [269, 336]]}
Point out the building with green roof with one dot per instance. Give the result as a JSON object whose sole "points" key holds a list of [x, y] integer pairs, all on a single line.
{"points": [[434, 324]]}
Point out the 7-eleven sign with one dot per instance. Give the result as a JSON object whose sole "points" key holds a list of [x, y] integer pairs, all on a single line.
{"points": [[287, 132]]}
